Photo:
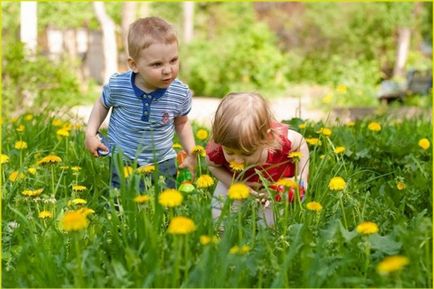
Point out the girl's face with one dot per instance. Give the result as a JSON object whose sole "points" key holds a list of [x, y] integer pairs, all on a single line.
{"points": [[259, 156]]}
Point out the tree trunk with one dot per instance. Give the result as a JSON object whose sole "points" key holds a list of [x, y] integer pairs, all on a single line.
{"points": [[109, 40], [29, 25], [128, 16], [188, 8], [402, 51]]}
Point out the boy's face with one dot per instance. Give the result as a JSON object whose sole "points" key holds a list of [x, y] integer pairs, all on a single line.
{"points": [[157, 66]]}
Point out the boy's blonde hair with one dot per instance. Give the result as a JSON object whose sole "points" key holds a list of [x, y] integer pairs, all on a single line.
{"points": [[243, 122], [146, 31]]}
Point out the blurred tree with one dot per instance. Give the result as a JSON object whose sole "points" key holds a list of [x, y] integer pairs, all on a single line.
{"points": [[129, 10], [188, 9], [109, 40], [29, 26]]}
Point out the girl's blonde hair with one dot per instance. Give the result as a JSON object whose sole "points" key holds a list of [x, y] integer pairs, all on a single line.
{"points": [[146, 31], [243, 122]]}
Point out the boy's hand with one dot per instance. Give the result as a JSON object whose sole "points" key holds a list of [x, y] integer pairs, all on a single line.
{"points": [[92, 144], [190, 163]]}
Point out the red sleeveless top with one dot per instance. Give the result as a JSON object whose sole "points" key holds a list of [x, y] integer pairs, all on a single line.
{"points": [[277, 165]]}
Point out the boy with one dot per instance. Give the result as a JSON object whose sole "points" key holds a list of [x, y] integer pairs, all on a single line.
{"points": [[148, 103]]}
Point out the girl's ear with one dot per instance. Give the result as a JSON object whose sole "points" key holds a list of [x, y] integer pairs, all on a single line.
{"points": [[132, 64]]}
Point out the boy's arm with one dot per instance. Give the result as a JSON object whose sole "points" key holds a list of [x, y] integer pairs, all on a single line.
{"points": [[299, 144], [97, 116], [185, 134]]}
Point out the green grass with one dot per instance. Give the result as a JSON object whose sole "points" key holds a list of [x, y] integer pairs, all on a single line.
{"points": [[127, 244]]}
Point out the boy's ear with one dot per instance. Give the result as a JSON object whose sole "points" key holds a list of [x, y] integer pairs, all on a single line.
{"points": [[132, 64]]}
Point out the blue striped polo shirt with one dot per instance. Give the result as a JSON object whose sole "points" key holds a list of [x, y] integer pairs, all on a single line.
{"points": [[142, 124]]}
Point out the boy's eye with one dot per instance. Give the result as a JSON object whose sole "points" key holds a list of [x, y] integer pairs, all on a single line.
{"points": [[174, 60], [156, 64]]}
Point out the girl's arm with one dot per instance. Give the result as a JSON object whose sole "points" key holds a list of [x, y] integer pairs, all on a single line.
{"points": [[299, 144], [221, 174], [97, 116]]}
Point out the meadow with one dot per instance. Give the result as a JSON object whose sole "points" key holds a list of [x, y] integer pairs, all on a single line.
{"points": [[366, 220]]}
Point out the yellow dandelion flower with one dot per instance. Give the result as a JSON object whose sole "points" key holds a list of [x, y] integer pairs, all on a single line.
{"points": [[204, 181], [234, 250], [374, 126], [77, 201], [67, 126], [20, 145], [339, 150], [32, 170], [302, 125], [314, 206], [28, 117], [140, 199], [367, 228], [238, 191], [85, 211], [341, 88], [75, 168], [45, 215], [400, 186], [313, 141], [4, 159], [128, 170], [170, 198], [337, 184], [205, 240], [57, 122], [73, 221], [177, 146], [16, 176], [181, 225], [287, 183], [32, 193], [64, 168], [200, 150], [325, 131], [146, 169], [20, 128], [62, 132], [202, 134], [327, 99], [79, 188], [244, 249], [424, 143], [391, 264], [295, 155], [50, 159], [236, 167]]}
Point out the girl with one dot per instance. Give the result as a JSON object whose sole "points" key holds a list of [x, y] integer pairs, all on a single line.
{"points": [[245, 132]]}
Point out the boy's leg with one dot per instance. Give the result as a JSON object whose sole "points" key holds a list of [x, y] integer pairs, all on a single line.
{"points": [[168, 170], [114, 179], [266, 216]]}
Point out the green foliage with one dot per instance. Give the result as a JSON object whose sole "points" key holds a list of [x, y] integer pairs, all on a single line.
{"points": [[50, 85]]}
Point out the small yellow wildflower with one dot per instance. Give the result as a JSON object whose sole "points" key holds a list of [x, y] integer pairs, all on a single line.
{"points": [[238, 191], [78, 188], [16, 176], [202, 134], [28, 117], [170, 198], [325, 131], [73, 221], [181, 225], [295, 155], [339, 150], [45, 215], [244, 249], [32, 193], [327, 99], [400, 186], [374, 126], [205, 240], [62, 132], [341, 88], [77, 201], [313, 141], [85, 211], [424, 143], [177, 146], [64, 168], [314, 206], [287, 183], [75, 168], [20, 145], [57, 122], [204, 181], [367, 228], [234, 250], [337, 184], [20, 128], [128, 170], [4, 159], [302, 125], [200, 150], [140, 199], [146, 169], [32, 170], [50, 159], [236, 167], [391, 264]]}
